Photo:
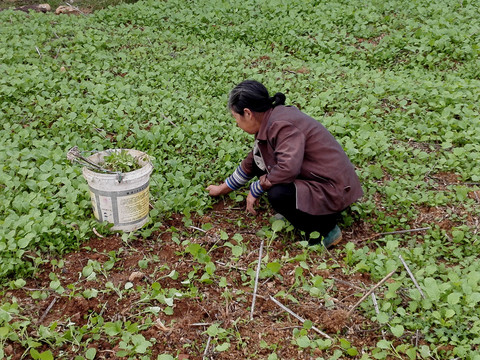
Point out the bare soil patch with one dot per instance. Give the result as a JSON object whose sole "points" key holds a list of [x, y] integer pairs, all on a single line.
{"points": [[183, 333], [223, 299]]}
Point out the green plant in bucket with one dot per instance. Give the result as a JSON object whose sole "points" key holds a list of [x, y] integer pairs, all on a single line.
{"points": [[121, 161]]}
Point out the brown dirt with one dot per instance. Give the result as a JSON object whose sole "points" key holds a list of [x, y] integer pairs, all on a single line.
{"points": [[185, 328], [183, 333], [335, 320]]}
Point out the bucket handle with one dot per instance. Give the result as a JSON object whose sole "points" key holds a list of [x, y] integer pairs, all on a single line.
{"points": [[74, 155]]}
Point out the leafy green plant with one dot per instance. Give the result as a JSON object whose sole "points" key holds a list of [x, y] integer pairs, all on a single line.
{"points": [[395, 82], [121, 161], [220, 336]]}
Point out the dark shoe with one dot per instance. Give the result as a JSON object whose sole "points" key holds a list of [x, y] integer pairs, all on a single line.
{"points": [[333, 237], [278, 216]]}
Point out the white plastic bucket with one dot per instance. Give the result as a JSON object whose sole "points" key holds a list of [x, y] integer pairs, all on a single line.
{"points": [[120, 199]]}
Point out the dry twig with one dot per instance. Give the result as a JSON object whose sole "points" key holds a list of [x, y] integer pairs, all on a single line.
{"points": [[417, 338], [206, 348], [302, 320], [160, 325], [170, 121], [34, 289], [476, 196], [197, 228], [411, 276], [260, 254], [405, 231], [348, 284], [290, 327], [230, 266], [370, 291], [48, 310], [377, 311], [97, 233], [76, 8], [201, 324]]}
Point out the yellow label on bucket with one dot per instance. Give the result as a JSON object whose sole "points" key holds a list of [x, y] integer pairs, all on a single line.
{"points": [[133, 207]]}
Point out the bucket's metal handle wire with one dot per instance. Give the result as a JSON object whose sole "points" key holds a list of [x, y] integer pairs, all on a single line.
{"points": [[74, 155]]}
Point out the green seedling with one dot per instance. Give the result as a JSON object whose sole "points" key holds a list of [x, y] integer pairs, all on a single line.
{"points": [[395, 82]]}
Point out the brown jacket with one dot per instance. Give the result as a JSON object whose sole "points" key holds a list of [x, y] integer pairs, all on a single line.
{"points": [[297, 148]]}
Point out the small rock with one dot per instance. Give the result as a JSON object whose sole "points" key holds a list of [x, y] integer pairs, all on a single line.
{"points": [[62, 69], [136, 275], [38, 8], [160, 325], [46, 7], [62, 9], [8, 350]]}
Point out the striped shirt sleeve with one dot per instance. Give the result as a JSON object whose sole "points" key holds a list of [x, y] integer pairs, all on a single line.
{"points": [[237, 179], [256, 189]]}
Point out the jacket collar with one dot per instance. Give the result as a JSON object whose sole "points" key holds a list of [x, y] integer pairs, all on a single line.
{"points": [[262, 132]]}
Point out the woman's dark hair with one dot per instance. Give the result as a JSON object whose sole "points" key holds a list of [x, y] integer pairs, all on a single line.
{"points": [[251, 94]]}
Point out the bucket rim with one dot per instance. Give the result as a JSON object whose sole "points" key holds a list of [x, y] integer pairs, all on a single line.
{"points": [[145, 170]]}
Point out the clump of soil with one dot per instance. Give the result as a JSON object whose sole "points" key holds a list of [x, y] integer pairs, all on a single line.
{"points": [[334, 321]]}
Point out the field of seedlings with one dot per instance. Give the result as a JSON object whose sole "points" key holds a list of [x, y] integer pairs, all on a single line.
{"points": [[396, 82]]}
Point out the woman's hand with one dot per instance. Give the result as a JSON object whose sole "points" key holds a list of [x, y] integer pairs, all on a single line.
{"points": [[217, 190], [250, 202]]}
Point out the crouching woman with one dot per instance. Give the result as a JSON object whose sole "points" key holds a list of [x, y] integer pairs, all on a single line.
{"points": [[306, 174]]}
